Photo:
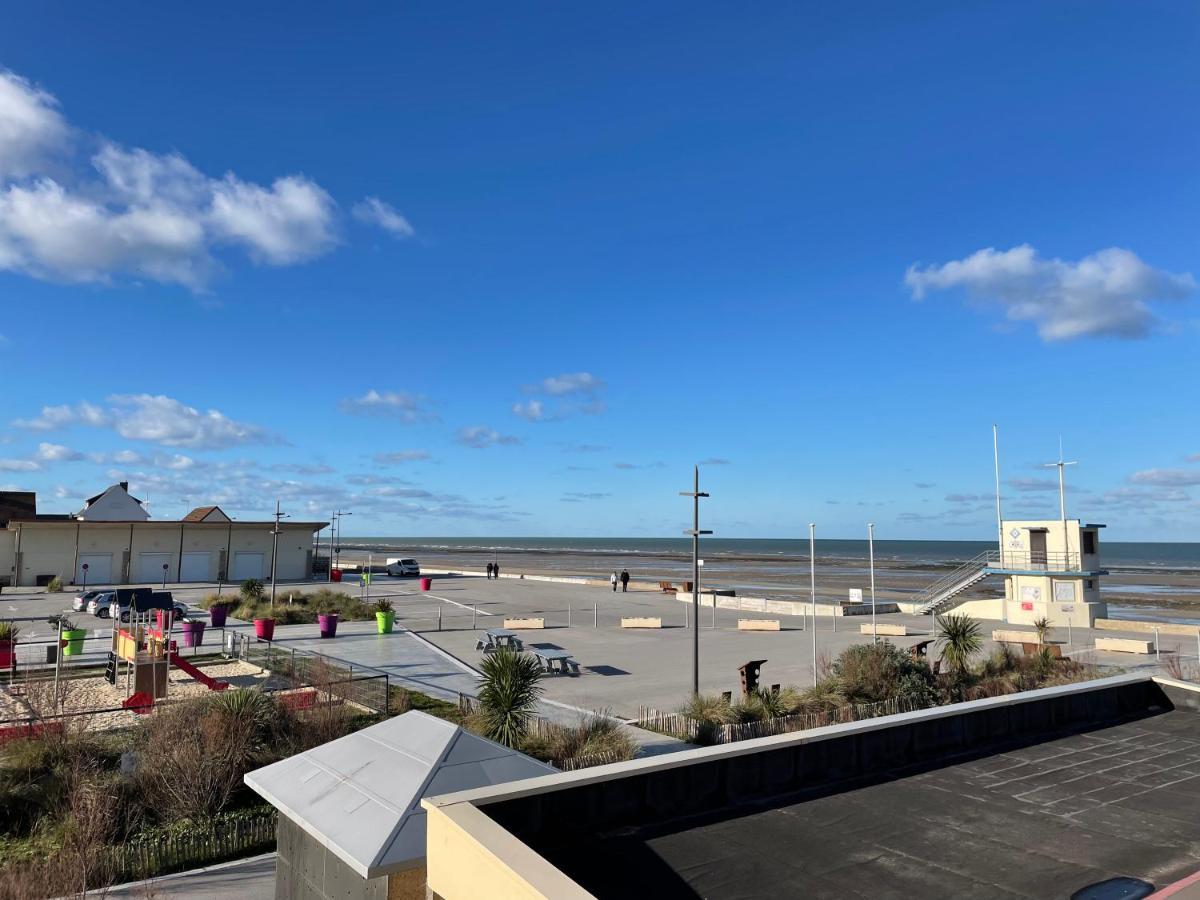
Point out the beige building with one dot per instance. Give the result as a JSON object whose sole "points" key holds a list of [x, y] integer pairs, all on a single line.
{"points": [[1051, 569], [112, 540]]}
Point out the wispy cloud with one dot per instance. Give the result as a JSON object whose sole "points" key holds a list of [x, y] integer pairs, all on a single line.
{"points": [[586, 448], [1105, 294], [481, 436], [582, 496], [374, 211], [57, 453], [571, 393], [1167, 477], [398, 457], [155, 418], [1030, 485], [924, 485], [716, 461], [629, 466], [400, 405]]}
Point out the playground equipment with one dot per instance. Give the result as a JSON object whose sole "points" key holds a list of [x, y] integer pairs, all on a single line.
{"points": [[146, 645]]}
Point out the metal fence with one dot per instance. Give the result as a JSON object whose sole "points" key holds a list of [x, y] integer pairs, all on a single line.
{"points": [[363, 687]]}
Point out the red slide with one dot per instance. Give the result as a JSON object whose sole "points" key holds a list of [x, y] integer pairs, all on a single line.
{"points": [[209, 682]]}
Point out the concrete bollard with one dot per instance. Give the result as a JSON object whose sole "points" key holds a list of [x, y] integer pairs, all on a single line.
{"points": [[596, 616]]}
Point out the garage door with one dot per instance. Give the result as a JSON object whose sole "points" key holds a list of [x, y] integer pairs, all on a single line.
{"points": [[99, 568], [196, 566], [247, 565], [150, 566]]}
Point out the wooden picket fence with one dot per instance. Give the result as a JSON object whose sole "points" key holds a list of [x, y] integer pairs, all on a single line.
{"points": [[686, 728], [162, 854]]}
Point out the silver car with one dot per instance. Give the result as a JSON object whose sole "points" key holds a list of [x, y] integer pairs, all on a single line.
{"points": [[80, 603]]}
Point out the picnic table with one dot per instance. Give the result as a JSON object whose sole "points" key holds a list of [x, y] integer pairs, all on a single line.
{"points": [[548, 658], [496, 638]]}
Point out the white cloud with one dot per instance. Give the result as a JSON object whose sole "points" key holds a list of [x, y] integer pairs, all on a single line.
{"points": [[1167, 477], [1027, 485], [1103, 294], [570, 383], [400, 456], [408, 408], [18, 465], [56, 453], [290, 223], [481, 436], [533, 411], [136, 212], [157, 418], [374, 211], [31, 129]]}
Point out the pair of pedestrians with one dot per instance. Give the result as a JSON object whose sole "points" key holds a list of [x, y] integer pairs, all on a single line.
{"points": [[493, 570], [623, 578]]}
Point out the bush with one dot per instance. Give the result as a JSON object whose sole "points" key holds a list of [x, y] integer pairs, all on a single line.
{"points": [[872, 673], [596, 737], [252, 590], [9, 631], [54, 586]]}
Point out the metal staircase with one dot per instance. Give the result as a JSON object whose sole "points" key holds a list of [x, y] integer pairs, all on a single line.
{"points": [[940, 595]]}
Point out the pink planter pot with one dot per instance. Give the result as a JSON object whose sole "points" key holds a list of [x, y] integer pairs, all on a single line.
{"points": [[327, 622], [193, 634], [8, 654], [264, 629], [426, 584]]}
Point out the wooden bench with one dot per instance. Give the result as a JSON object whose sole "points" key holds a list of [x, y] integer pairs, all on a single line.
{"points": [[525, 623], [758, 624], [641, 622], [1125, 645], [1001, 636], [888, 630]]}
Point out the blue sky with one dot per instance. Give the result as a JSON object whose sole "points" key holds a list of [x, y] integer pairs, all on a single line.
{"points": [[512, 270]]}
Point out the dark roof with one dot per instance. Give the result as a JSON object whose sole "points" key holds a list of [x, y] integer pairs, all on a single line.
{"points": [[1038, 819], [123, 485]]}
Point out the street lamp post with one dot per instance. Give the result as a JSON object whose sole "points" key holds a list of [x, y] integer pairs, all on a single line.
{"points": [[812, 576], [275, 549], [695, 493], [871, 552]]}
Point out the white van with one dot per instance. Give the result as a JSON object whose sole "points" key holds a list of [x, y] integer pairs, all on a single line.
{"points": [[403, 567]]}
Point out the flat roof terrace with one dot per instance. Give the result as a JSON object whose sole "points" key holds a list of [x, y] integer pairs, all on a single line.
{"points": [[1036, 796]]}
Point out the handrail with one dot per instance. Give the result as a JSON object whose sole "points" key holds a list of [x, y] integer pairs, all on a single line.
{"points": [[956, 575]]}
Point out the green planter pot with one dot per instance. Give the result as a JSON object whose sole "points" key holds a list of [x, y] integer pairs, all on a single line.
{"points": [[385, 620], [72, 641]]}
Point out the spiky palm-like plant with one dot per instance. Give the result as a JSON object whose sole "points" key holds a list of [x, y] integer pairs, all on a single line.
{"points": [[1042, 627], [959, 637], [509, 692]]}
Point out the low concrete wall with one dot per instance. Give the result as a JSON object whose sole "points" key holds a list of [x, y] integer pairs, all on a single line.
{"points": [[884, 629], [786, 607], [641, 622], [570, 806], [1001, 636], [1125, 645], [525, 623], [758, 624], [1172, 628]]}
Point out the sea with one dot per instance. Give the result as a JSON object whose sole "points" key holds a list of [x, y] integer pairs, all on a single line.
{"points": [[1129, 556]]}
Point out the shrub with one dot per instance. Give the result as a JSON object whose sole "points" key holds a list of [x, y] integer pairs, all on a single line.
{"points": [[508, 694], [872, 673], [382, 605], [960, 639], [54, 586], [252, 590], [597, 737], [9, 631]]}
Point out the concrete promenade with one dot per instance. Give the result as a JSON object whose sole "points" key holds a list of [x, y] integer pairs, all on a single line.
{"points": [[621, 669]]}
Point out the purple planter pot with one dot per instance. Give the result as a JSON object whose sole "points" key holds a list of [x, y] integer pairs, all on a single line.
{"points": [[218, 614], [327, 622], [193, 633]]}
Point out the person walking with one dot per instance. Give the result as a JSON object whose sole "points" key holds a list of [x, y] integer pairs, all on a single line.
{"points": [[612, 579], [624, 580], [489, 571], [496, 570]]}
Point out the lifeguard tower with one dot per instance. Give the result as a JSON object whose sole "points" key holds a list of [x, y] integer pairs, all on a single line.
{"points": [[1051, 569]]}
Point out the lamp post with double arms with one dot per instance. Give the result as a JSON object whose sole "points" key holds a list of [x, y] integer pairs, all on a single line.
{"points": [[695, 493]]}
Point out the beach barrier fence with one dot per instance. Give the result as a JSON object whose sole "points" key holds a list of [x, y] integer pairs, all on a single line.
{"points": [[161, 854]]}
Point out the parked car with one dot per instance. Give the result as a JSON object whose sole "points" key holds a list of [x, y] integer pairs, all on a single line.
{"points": [[403, 567], [79, 604], [103, 606], [99, 600]]}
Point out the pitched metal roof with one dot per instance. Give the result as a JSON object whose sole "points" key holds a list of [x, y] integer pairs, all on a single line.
{"points": [[360, 795]]}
